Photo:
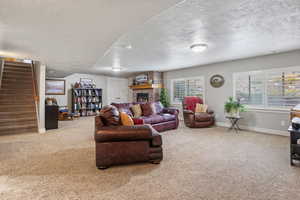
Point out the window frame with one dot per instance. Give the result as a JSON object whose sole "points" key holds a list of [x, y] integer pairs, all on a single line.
{"points": [[185, 79], [265, 72]]}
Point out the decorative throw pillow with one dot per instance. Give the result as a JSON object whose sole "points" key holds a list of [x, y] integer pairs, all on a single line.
{"points": [[201, 108], [148, 109], [110, 115], [138, 121], [158, 107], [126, 119], [137, 111]]}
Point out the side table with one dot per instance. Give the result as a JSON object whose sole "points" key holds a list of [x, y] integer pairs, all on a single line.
{"points": [[234, 123]]}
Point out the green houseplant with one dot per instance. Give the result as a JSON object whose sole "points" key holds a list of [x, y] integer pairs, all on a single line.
{"points": [[164, 97], [233, 107]]}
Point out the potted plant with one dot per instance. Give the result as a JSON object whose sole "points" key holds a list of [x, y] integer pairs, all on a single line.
{"points": [[233, 107], [164, 98]]}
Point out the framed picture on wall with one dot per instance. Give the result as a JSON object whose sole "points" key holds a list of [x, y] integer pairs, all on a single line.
{"points": [[55, 87]]}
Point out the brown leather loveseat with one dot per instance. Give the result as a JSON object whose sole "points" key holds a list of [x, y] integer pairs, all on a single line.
{"points": [[116, 144]]}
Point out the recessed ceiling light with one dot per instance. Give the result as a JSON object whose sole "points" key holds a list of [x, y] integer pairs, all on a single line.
{"points": [[199, 47], [116, 69]]}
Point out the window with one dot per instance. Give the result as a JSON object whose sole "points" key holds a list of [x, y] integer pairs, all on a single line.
{"points": [[278, 88], [187, 87]]}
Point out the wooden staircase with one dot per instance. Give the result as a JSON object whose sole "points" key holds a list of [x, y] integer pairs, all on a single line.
{"points": [[18, 99]]}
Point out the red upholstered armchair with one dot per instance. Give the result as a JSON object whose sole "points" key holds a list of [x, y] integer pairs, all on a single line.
{"points": [[196, 120]]}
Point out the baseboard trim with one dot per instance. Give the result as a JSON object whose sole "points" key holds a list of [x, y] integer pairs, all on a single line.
{"points": [[256, 129], [42, 130]]}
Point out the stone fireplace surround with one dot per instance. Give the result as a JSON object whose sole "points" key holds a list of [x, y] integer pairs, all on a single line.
{"points": [[153, 94]]}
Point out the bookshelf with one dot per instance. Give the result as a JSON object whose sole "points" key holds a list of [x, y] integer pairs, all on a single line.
{"points": [[86, 101]]}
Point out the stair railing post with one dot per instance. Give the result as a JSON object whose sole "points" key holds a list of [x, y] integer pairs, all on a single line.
{"points": [[1, 70]]}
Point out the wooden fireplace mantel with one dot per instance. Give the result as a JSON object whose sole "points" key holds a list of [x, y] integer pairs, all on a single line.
{"points": [[145, 86]]}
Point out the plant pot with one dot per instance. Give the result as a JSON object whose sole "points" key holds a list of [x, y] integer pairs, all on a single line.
{"points": [[234, 113]]}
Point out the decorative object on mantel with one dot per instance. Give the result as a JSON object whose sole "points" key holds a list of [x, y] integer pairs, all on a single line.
{"points": [[164, 97], [55, 87], [146, 86], [233, 107], [217, 81]]}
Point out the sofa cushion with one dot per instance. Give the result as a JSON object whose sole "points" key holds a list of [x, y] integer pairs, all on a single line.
{"points": [[110, 115], [148, 108], [201, 108], [137, 111], [126, 119], [168, 117], [138, 121], [158, 107], [124, 107], [153, 119], [202, 117]]}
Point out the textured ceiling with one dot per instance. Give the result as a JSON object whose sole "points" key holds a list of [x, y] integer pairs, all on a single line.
{"points": [[72, 36], [232, 30]]}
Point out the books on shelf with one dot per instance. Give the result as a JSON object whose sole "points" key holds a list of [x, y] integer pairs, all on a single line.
{"points": [[86, 101]]}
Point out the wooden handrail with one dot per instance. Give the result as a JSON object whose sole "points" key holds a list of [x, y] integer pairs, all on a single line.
{"points": [[34, 83], [35, 94], [1, 70]]}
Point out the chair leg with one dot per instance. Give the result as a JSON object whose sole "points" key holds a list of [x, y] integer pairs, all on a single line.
{"points": [[155, 162], [102, 167]]}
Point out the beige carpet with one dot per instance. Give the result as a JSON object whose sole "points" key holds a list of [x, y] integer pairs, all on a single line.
{"points": [[200, 164]]}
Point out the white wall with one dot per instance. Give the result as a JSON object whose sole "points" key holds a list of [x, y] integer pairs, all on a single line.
{"points": [[101, 82], [265, 121], [40, 71]]}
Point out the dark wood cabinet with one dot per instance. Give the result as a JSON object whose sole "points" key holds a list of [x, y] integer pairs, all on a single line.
{"points": [[295, 146], [51, 117]]}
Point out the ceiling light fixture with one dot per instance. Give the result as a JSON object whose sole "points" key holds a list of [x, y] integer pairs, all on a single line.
{"points": [[199, 47], [116, 69]]}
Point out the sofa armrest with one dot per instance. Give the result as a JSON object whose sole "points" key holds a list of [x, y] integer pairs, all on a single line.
{"points": [[188, 112], [123, 133], [172, 111], [209, 111]]}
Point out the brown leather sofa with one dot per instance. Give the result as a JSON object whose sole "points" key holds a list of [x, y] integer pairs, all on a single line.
{"points": [[196, 120], [164, 118], [116, 144]]}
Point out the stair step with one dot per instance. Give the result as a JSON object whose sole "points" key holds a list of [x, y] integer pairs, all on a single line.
{"points": [[17, 121], [16, 71], [16, 91], [22, 64], [17, 107], [18, 129], [15, 96], [16, 102], [16, 81], [15, 68], [16, 114], [28, 118], [16, 86], [16, 77], [17, 74]]}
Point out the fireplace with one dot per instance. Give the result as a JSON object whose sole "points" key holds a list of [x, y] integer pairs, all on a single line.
{"points": [[142, 97]]}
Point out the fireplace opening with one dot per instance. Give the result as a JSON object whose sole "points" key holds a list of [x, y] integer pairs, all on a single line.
{"points": [[142, 97]]}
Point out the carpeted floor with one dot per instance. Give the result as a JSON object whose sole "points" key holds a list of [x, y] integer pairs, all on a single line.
{"points": [[200, 164]]}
